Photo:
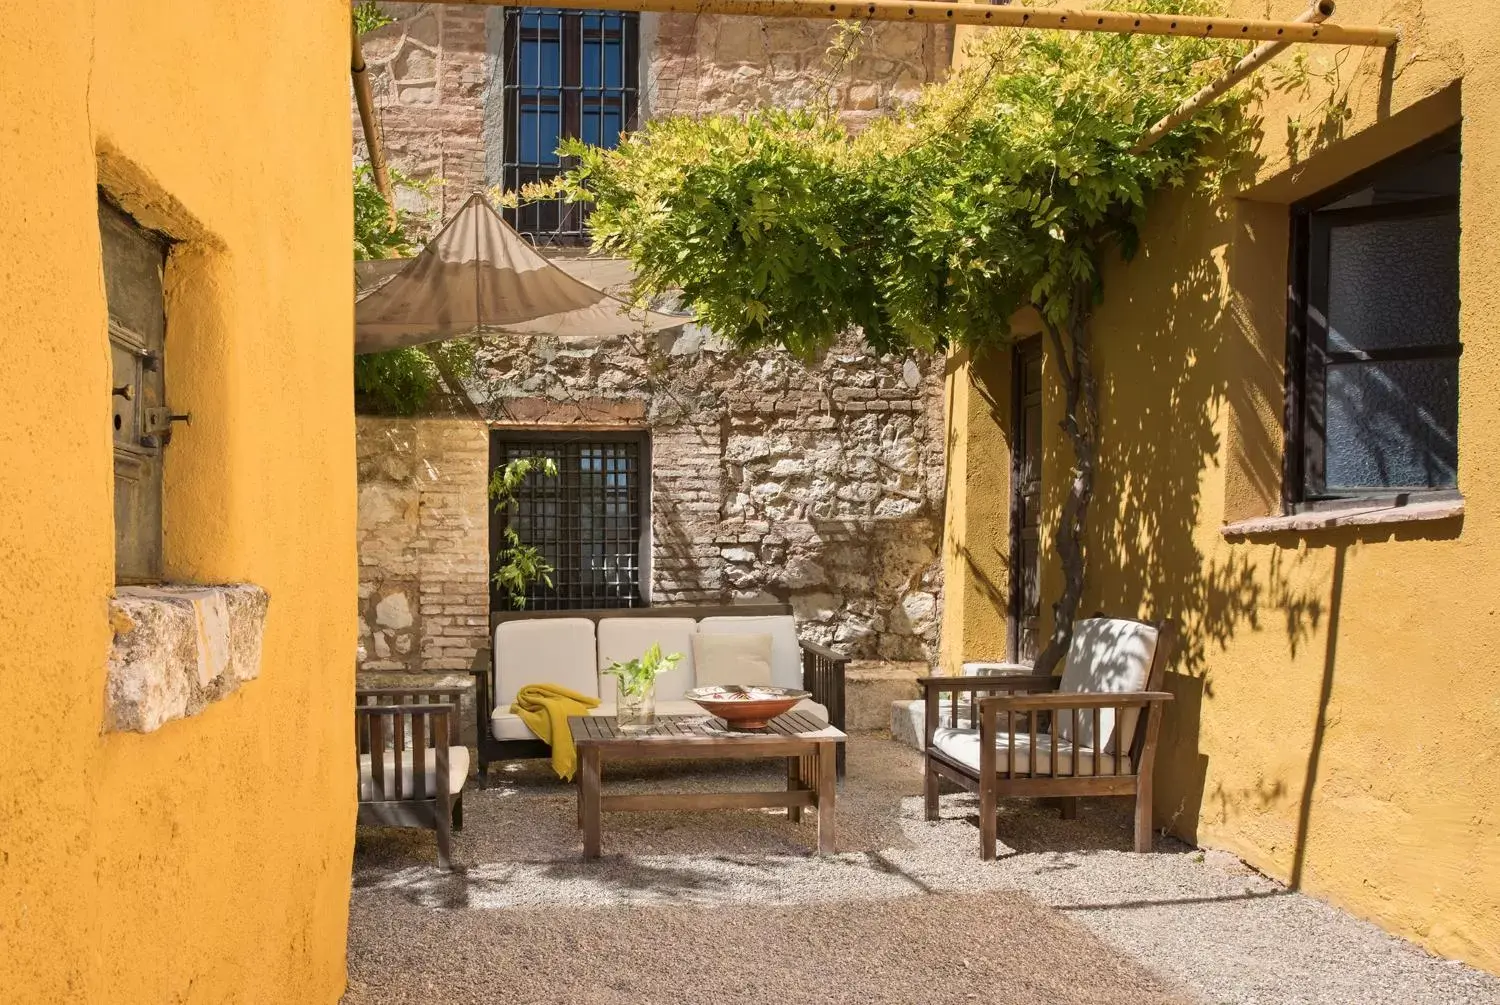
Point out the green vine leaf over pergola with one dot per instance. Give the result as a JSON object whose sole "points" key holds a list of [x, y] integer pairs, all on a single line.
{"points": [[1002, 188]]}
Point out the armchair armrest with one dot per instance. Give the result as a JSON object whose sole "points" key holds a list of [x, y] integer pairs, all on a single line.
{"points": [[933, 688], [1071, 699], [823, 676], [1069, 702]]}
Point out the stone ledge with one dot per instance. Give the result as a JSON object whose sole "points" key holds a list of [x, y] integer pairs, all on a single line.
{"points": [[1353, 516], [178, 648]]}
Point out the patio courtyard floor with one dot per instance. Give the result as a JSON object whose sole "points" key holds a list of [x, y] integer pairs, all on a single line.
{"points": [[731, 907]]}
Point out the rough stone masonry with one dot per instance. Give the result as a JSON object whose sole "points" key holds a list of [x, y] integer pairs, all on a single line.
{"points": [[818, 485]]}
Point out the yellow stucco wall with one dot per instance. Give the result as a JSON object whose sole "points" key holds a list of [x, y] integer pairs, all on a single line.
{"points": [[207, 861], [1338, 712]]}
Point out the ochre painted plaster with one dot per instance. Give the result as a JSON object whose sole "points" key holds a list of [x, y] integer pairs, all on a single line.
{"points": [[207, 861], [1337, 721]]}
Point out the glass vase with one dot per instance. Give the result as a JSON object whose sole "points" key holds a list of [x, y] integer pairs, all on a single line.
{"points": [[635, 710]]}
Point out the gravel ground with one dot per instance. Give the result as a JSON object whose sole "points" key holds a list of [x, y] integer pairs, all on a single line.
{"points": [[679, 900]]}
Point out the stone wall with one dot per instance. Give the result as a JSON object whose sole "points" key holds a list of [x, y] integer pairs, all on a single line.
{"points": [[816, 486], [697, 64]]}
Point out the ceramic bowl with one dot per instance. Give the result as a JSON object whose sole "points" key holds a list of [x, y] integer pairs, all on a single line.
{"points": [[748, 706]]}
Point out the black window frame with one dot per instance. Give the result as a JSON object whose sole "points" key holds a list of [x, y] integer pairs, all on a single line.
{"points": [[567, 593], [552, 222], [1307, 355]]}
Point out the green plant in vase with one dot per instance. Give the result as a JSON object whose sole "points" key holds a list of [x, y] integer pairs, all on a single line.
{"points": [[635, 687]]}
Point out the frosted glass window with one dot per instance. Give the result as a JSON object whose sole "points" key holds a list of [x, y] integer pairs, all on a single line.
{"points": [[1392, 425], [1393, 283]]}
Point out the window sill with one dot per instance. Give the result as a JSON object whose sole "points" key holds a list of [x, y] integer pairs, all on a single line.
{"points": [[178, 649], [1354, 515]]}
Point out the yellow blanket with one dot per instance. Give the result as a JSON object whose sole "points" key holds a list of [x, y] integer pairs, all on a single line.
{"points": [[545, 709]]}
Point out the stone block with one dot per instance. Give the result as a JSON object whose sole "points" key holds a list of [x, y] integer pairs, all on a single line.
{"points": [[178, 648], [870, 687]]}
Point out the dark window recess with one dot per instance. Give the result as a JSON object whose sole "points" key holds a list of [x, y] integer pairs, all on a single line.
{"points": [[567, 73], [1373, 343], [589, 522], [134, 259]]}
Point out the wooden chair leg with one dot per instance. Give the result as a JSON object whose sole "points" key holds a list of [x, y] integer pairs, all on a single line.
{"points": [[987, 823], [930, 792], [458, 812], [1143, 828], [444, 838], [1069, 807]]}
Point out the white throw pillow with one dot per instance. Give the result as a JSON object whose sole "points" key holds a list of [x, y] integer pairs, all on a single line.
{"points": [[732, 659]]}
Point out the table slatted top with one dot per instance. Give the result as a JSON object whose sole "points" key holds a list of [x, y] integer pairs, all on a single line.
{"points": [[702, 728]]}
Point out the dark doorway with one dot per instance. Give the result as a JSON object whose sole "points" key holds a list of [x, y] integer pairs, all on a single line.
{"points": [[1025, 501]]}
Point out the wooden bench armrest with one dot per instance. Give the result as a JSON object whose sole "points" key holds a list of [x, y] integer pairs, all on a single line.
{"points": [[823, 677]]}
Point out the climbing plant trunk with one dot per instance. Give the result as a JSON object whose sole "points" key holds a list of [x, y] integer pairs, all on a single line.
{"points": [[1071, 348]]}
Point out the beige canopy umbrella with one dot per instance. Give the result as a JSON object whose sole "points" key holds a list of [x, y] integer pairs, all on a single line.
{"points": [[478, 276]]}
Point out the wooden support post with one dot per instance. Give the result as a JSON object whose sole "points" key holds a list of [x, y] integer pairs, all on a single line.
{"points": [[1013, 16], [1252, 61], [365, 101]]}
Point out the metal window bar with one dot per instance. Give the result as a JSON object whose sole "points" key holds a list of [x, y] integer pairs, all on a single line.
{"points": [[567, 73], [587, 522]]}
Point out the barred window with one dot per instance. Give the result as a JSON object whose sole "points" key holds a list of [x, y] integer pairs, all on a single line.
{"points": [[589, 523], [567, 74]]}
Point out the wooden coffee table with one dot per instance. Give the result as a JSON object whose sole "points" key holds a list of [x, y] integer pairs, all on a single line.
{"points": [[809, 745]]}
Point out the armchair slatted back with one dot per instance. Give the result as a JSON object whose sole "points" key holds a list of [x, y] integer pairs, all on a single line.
{"points": [[401, 739]]}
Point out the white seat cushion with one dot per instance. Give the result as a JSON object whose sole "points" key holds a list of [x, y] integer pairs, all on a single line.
{"points": [[786, 652], [505, 726], [545, 651], [458, 773], [625, 639], [962, 745], [1109, 656]]}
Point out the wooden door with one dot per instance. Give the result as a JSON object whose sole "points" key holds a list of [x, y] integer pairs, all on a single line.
{"points": [[1025, 501]]}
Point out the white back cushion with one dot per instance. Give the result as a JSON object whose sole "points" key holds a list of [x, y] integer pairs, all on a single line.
{"points": [[625, 639], [731, 659], [545, 651], [1110, 656], [786, 654]]}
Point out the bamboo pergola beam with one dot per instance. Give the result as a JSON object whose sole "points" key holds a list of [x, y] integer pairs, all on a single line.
{"points": [[364, 100], [1012, 16], [1252, 61]]}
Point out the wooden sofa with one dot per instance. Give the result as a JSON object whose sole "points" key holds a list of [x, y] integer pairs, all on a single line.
{"points": [[412, 765], [1045, 736], [571, 647]]}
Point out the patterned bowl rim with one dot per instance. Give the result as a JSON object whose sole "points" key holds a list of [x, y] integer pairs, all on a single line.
{"points": [[712, 692]]}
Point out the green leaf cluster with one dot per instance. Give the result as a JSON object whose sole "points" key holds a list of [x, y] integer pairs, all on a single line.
{"points": [[518, 564], [997, 189], [636, 675], [368, 16]]}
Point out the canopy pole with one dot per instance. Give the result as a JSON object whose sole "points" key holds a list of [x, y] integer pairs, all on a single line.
{"points": [[366, 104], [1252, 61], [1011, 16]]}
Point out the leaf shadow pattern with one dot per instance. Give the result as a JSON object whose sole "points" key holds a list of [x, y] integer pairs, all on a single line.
{"points": [[1182, 365]]}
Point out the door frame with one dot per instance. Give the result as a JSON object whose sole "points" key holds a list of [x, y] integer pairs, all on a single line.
{"points": [[1021, 352]]}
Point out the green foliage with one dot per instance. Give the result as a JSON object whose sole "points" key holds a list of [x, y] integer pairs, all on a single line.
{"points": [[638, 674], [401, 380], [519, 564], [997, 189], [368, 16]]}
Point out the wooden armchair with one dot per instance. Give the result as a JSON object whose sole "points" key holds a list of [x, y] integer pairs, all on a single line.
{"points": [[412, 766], [1081, 734]]}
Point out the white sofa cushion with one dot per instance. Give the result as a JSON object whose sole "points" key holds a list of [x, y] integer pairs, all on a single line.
{"points": [[625, 639], [786, 653], [544, 651], [1112, 656], [458, 772], [731, 658], [962, 745], [504, 726]]}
